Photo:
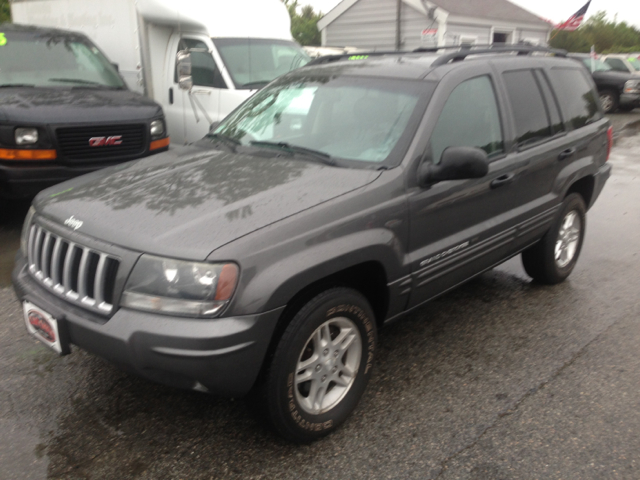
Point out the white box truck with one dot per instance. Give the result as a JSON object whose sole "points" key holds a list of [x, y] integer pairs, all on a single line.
{"points": [[235, 47]]}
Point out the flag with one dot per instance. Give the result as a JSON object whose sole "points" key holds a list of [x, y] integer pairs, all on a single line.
{"points": [[574, 20]]}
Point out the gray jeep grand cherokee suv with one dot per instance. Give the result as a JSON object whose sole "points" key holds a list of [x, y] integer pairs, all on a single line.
{"points": [[266, 256]]}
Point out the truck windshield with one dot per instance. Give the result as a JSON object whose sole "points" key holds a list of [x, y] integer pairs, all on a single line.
{"points": [[350, 121], [635, 63], [596, 65], [53, 59], [252, 63]]}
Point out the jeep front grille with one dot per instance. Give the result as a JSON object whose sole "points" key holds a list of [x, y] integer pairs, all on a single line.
{"points": [[79, 274]]}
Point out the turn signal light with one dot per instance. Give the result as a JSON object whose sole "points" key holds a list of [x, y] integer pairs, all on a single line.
{"points": [[609, 141], [24, 154], [156, 144]]}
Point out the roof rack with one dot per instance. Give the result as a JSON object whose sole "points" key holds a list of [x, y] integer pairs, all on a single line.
{"points": [[462, 52], [465, 51], [351, 56]]}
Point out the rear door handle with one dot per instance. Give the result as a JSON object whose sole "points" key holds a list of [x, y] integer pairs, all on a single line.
{"points": [[505, 179], [566, 153]]}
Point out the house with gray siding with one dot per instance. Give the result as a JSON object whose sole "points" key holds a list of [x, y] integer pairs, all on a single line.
{"points": [[410, 24]]}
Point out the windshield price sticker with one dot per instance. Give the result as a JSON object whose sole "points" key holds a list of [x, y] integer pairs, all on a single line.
{"points": [[3, 40]]}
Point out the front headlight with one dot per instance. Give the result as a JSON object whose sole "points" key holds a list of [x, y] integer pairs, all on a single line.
{"points": [[168, 286], [24, 237], [26, 136], [156, 129], [632, 86]]}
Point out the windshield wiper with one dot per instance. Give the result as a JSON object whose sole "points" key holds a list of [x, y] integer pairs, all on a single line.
{"points": [[74, 80], [84, 83], [317, 154], [17, 85], [256, 84], [231, 142]]}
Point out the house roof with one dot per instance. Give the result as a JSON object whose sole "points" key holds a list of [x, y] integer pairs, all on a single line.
{"points": [[486, 9], [495, 9]]}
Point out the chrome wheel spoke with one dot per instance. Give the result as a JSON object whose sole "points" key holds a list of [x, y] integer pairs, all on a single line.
{"points": [[568, 239], [342, 380], [304, 376], [324, 378]]}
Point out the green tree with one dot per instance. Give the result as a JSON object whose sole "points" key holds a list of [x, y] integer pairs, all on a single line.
{"points": [[5, 11], [607, 36], [304, 23]]}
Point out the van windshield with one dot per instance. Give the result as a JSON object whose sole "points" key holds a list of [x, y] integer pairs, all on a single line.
{"points": [[53, 59], [252, 62]]}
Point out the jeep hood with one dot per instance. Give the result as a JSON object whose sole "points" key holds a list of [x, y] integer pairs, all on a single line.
{"points": [[189, 201]]}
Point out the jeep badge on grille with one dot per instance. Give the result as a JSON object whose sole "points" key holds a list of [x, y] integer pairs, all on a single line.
{"points": [[105, 141]]}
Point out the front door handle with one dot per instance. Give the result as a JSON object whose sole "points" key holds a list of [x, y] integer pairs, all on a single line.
{"points": [[505, 179], [566, 153]]}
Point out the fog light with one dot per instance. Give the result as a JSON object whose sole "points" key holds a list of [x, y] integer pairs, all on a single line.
{"points": [[157, 128], [26, 136]]}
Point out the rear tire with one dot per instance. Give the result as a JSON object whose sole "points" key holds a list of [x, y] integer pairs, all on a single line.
{"points": [[321, 366], [609, 100], [553, 258]]}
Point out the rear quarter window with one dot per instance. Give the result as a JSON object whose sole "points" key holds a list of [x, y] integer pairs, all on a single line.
{"points": [[578, 100], [528, 106]]}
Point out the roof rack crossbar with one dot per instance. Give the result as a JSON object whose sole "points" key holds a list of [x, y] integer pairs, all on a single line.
{"points": [[520, 49]]}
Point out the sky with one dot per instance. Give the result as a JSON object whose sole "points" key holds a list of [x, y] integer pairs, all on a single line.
{"points": [[554, 10]]}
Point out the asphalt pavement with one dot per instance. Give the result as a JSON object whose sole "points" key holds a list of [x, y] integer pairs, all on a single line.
{"points": [[500, 379]]}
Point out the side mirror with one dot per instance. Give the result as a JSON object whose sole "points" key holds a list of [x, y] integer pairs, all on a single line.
{"points": [[116, 66], [213, 126], [456, 163], [183, 68]]}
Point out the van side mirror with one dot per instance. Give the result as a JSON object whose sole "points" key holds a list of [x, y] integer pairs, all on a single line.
{"points": [[456, 163], [183, 69]]}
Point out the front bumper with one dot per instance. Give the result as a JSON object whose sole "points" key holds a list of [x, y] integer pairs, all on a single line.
{"points": [[222, 356], [630, 100], [600, 179], [25, 181]]}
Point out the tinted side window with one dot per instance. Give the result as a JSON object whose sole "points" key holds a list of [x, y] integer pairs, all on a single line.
{"points": [[550, 100], [617, 64], [204, 71], [529, 111], [469, 119], [578, 101]]}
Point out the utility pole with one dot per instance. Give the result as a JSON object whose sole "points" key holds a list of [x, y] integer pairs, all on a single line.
{"points": [[398, 25]]}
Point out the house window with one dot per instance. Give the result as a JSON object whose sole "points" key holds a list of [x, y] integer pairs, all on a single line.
{"points": [[501, 37]]}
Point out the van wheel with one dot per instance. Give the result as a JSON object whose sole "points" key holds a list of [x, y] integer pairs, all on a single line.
{"points": [[321, 365], [552, 259], [609, 100]]}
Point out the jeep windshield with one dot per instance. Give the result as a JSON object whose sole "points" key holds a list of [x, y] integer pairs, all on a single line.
{"points": [[54, 59], [252, 63], [349, 121]]}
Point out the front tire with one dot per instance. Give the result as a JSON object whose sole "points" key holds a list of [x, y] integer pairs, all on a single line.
{"points": [[321, 366], [609, 100], [553, 258]]}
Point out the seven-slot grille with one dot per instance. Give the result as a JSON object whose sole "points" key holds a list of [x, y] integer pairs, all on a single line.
{"points": [[74, 272], [75, 146]]}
